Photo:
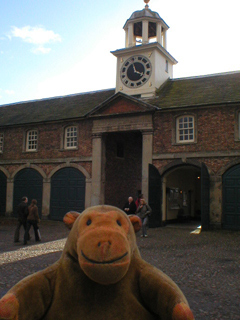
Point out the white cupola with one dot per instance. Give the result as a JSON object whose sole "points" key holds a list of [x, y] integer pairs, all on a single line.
{"points": [[145, 26], [144, 64]]}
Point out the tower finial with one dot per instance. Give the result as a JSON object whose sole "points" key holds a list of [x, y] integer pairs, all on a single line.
{"points": [[146, 6]]}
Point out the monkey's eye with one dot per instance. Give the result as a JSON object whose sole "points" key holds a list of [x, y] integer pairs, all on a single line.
{"points": [[119, 223], [89, 222]]}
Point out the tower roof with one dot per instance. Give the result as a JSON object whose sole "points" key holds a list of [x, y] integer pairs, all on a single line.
{"points": [[145, 13]]}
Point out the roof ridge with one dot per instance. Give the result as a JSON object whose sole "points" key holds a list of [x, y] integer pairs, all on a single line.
{"points": [[207, 75]]}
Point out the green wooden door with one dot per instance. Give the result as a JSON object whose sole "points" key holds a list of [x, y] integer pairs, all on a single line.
{"points": [[67, 192], [205, 196], [28, 182], [231, 199], [155, 197], [3, 187]]}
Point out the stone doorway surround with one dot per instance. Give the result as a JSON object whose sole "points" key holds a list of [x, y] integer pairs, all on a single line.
{"points": [[142, 123]]}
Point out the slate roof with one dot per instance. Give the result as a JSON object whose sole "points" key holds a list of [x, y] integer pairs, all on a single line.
{"points": [[174, 93], [58, 108], [197, 91]]}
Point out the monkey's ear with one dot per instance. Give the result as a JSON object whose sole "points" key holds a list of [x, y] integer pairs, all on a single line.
{"points": [[70, 218], [136, 222]]}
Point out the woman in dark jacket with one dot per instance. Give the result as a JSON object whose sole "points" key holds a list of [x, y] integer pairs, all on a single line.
{"points": [[32, 220], [143, 211]]}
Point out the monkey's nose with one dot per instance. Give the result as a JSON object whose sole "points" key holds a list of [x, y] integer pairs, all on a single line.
{"points": [[104, 247], [104, 243]]}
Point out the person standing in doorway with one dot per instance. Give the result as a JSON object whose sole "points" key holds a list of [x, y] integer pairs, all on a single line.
{"points": [[32, 220], [130, 207], [137, 202], [143, 213], [22, 212]]}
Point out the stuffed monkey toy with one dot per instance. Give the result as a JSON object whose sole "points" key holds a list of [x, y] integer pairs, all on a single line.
{"points": [[99, 276]]}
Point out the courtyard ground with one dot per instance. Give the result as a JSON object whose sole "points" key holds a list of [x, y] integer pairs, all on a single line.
{"points": [[205, 266]]}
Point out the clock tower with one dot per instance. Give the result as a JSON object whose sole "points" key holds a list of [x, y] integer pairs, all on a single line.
{"points": [[144, 64]]}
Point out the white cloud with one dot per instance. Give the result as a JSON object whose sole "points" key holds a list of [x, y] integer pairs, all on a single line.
{"points": [[41, 49], [9, 92], [37, 36]]}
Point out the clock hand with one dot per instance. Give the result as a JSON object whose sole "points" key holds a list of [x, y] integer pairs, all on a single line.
{"points": [[141, 73], [135, 71]]}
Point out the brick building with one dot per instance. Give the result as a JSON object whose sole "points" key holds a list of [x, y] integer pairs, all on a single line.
{"points": [[177, 141]]}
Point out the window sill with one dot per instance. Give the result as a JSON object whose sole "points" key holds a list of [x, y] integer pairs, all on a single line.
{"points": [[184, 143], [30, 151]]}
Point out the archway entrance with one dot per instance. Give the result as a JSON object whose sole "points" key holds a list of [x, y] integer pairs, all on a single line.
{"points": [[123, 167], [155, 197], [183, 194], [231, 199], [3, 186], [67, 192], [28, 182]]}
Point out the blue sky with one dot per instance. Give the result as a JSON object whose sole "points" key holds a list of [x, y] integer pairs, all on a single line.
{"points": [[57, 47]]}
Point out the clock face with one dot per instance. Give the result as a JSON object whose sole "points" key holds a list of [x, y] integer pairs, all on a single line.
{"points": [[136, 71]]}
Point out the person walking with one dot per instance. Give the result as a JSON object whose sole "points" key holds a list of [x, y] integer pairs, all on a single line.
{"points": [[32, 220], [22, 212], [143, 212]]}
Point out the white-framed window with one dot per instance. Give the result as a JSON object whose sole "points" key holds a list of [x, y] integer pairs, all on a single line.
{"points": [[1, 142], [70, 141], [185, 129], [32, 140]]}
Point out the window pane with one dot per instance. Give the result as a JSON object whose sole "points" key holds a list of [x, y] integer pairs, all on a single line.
{"points": [[185, 129], [71, 137], [32, 137]]}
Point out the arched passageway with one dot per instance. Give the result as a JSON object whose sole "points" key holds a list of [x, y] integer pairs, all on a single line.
{"points": [[182, 190]]}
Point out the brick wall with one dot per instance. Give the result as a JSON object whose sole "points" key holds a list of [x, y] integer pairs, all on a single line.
{"points": [[123, 175], [50, 146], [49, 141], [215, 135]]}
